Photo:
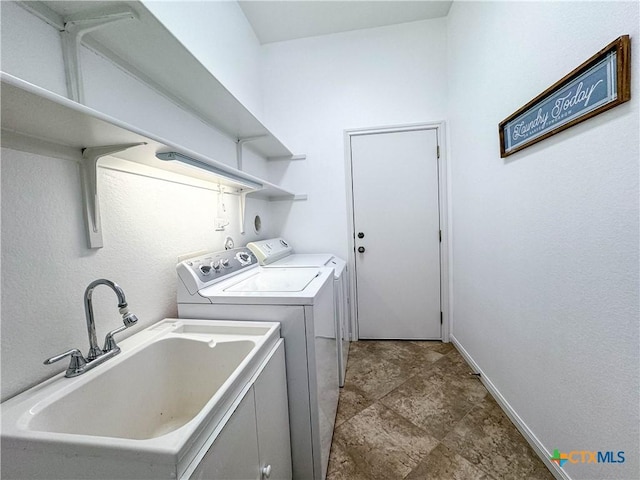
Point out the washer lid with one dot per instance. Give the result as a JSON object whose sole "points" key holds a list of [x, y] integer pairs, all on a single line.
{"points": [[276, 280], [303, 260]]}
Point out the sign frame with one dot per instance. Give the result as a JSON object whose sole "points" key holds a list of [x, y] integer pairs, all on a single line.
{"points": [[616, 57]]}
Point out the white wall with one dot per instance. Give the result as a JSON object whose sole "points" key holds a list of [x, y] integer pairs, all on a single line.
{"points": [[545, 242], [315, 88], [219, 35], [147, 222], [41, 64]]}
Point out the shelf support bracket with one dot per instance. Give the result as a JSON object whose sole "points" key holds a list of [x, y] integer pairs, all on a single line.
{"points": [[239, 143], [74, 29], [89, 177]]}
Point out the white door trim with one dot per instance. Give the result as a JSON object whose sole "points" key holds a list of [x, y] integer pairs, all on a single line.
{"points": [[445, 302]]}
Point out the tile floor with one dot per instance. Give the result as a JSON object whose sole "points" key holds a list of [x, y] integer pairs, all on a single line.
{"points": [[411, 410]]}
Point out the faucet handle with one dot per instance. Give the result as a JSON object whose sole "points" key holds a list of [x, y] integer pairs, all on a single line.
{"points": [[110, 342], [128, 319], [76, 365]]}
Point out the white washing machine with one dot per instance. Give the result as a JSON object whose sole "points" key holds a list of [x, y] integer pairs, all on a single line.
{"points": [[277, 252], [231, 285]]}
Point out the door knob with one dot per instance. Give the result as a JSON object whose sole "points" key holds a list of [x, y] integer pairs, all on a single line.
{"points": [[360, 235], [361, 249]]}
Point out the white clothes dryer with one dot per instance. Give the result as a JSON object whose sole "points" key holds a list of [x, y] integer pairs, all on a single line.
{"points": [[230, 285], [278, 253]]}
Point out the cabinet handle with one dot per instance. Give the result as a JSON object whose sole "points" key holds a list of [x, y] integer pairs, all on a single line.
{"points": [[266, 471]]}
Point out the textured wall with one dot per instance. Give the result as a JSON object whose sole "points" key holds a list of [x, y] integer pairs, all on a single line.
{"points": [[545, 242], [46, 266], [315, 88]]}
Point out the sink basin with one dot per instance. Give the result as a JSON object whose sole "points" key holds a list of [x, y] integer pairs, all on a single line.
{"points": [[154, 404], [179, 376]]}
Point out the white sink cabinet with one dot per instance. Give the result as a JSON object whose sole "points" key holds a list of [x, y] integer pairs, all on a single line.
{"points": [[254, 443]]}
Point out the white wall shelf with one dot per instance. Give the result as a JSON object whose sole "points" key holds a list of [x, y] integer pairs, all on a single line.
{"points": [[35, 119], [147, 49]]}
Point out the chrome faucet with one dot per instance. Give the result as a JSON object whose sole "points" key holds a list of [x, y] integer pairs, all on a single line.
{"points": [[127, 318], [97, 355]]}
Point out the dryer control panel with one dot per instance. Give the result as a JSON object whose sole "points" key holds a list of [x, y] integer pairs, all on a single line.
{"points": [[271, 250], [204, 270]]}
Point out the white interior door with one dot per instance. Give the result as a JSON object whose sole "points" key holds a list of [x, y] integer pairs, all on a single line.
{"points": [[397, 227]]}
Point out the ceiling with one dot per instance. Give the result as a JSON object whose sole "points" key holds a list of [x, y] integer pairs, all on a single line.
{"points": [[275, 21]]}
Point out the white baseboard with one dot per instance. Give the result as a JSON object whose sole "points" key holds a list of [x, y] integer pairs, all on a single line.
{"points": [[526, 432]]}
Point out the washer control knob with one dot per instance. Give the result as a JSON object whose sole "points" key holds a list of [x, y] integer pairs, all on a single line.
{"points": [[244, 258], [283, 243], [205, 269], [216, 265], [224, 263]]}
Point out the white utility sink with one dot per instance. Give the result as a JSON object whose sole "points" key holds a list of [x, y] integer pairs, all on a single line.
{"points": [[153, 406]]}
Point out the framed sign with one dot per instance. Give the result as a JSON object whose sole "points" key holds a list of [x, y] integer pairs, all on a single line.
{"points": [[600, 83]]}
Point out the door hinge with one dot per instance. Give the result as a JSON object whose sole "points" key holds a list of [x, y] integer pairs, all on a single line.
{"points": [[440, 318], [440, 235], [438, 151]]}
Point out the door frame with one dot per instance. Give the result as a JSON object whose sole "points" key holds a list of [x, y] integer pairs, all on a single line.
{"points": [[444, 213]]}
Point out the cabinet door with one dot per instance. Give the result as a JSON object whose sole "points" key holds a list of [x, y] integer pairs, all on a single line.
{"points": [[234, 454], [272, 412]]}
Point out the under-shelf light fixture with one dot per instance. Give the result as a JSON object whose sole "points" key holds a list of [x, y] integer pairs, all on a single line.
{"points": [[169, 156]]}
